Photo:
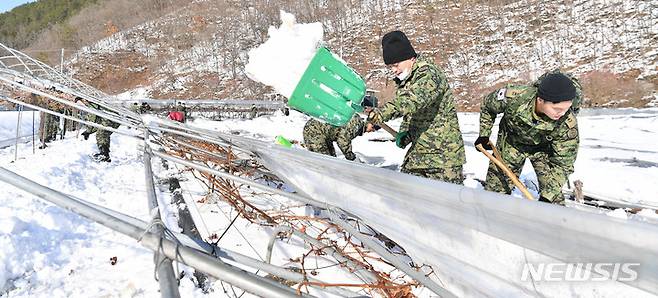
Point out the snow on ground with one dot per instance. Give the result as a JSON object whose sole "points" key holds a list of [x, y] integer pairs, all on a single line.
{"points": [[139, 93], [9, 121], [617, 157], [46, 251]]}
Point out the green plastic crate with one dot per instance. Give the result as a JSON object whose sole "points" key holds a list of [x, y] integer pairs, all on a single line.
{"points": [[329, 90]]}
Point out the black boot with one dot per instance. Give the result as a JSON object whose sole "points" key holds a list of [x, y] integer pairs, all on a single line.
{"points": [[103, 155], [103, 158]]}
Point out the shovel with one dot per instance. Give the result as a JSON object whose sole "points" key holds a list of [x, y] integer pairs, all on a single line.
{"points": [[388, 129], [329, 90], [498, 161]]}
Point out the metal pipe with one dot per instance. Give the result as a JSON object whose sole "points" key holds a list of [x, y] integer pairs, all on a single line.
{"points": [[209, 102], [377, 248], [223, 137], [250, 282], [270, 243], [72, 104], [215, 137], [166, 275], [34, 145], [47, 111], [240, 180], [236, 162], [48, 73], [224, 254], [209, 139], [363, 273], [18, 130], [384, 253]]}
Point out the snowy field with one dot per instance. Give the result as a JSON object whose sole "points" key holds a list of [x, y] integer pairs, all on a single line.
{"points": [[9, 122], [48, 252]]}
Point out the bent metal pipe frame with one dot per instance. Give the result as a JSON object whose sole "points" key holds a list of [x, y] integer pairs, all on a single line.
{"points": [[166, 274], [389, 257], [249, 282]]}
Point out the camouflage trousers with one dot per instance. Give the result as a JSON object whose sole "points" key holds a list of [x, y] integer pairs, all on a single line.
{"points": [[550, 183], [449, 174], [103, 136], [48, 127], [320, 146]]}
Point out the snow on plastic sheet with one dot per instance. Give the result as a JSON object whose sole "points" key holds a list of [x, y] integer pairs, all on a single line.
{"points": [[478, 241], [71, 254], [281, 61]]}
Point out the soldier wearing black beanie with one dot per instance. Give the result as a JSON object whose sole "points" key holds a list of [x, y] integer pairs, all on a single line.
{"points": [[396, 47], [556, 87], [424, 101], [539, 124]]}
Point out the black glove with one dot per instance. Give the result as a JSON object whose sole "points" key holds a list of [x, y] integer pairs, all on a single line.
{"points": [[545, 200], [85, 135], [484, 141]]}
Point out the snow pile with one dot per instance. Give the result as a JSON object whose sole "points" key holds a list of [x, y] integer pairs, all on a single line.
{"points": [[46, 249], [281, 61]]}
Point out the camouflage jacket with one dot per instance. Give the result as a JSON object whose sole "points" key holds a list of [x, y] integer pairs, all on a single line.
{"points": [[425, 102], [100, 120], [136, 108], [527, 131], [319, 134]]}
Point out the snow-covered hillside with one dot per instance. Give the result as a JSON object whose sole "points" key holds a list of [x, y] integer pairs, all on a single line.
{"points": [[47, 251], [200, 52]]}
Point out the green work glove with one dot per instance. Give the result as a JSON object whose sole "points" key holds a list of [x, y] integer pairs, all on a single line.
{"points": [[283, 141], [401, 139]]}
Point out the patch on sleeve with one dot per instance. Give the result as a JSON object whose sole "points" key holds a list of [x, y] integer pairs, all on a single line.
{"points": [[514, 92], [501, 94], [572, 133], [571, 121]]}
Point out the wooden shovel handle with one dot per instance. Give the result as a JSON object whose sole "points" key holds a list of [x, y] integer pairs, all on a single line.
{"points": [[383, 125], [498, 161], [388, 128]]}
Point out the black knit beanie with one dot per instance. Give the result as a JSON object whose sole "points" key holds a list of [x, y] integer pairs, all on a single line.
{"points": [[556, 87], [396, 47]]}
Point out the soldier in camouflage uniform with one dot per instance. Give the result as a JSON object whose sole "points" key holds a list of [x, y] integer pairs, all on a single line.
{"points": [[136, 108], [181, 107], [320, 137], [424, 100], [49, 124], [539, 123], [102, 135], [49, 127]]}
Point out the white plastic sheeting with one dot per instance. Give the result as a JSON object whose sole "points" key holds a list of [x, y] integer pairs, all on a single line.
{"points": [[477, 241]]}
